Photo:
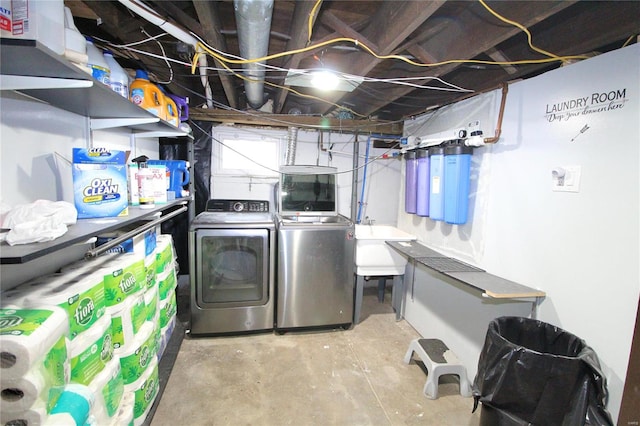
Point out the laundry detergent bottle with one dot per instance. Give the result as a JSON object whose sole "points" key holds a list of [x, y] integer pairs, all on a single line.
{"points": [[147, 95], [119, 80], [99, 68]]}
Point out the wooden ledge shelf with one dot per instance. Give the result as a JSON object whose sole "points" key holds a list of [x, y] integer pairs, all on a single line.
{"points": [[490, 285]]}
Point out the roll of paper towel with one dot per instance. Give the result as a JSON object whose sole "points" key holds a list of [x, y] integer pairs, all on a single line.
{"points": [[124, 274], [150, 270], [43, 383], [108, 388], [167, 282], [20, 394], [135, 358], [72, 408], [34, 415], [14, 298], [126, 278], [125, 412], [151, 302], [165, 256], [165, 336], [91, 351], [168, 309], [26, 336], [145, 389], [29, 290], [82, 296], [127, 319]]}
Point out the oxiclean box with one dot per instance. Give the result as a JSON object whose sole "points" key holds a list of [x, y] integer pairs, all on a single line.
{"points": [[100, 182]]}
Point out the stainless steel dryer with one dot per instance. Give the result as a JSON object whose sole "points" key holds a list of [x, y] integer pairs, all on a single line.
{"points": [[232, 268]]}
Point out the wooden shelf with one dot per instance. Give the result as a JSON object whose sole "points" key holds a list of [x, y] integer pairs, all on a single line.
{"points": [[491, 285], [79, 233]]}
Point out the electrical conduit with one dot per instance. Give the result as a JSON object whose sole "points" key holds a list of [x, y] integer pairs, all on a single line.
{"points": [[150, 15]]}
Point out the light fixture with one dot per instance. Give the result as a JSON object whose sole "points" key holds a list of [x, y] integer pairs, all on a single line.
{"points": [[323, 80]]}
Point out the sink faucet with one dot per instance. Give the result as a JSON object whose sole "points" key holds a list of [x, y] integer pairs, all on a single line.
{"points": [[369, 221]]}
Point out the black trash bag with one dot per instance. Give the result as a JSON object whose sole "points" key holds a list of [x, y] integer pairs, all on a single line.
{"points": [[530, 372]]}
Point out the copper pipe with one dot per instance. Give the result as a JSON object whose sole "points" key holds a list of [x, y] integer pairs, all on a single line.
{"points": [[494, 139]]}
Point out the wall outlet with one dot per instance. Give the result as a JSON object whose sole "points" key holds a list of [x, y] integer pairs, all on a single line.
{"points": [[566, 178]]}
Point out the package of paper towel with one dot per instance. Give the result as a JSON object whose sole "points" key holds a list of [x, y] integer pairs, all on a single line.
{"points": [[34, 361]]}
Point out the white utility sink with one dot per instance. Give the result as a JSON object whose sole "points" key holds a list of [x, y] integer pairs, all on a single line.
{"points": [[373, 256]]}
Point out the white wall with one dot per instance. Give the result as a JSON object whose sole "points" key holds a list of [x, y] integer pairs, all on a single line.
{"points": [[382, 184], [581, 248]]}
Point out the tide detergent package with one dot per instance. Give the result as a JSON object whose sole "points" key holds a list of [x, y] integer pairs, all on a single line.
{"points": [[100, 182]]}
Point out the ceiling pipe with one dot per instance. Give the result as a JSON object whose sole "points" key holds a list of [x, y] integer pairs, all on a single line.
{"points": [[253, 19], [150, 15]]}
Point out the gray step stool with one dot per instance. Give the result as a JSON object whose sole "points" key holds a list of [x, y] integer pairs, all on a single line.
{"points": [[439, 360]]}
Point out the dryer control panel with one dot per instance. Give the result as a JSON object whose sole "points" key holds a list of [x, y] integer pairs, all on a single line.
{"points": [[238, 206]]}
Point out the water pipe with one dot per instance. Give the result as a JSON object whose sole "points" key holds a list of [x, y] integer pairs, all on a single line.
{"points": [[366, 163]]}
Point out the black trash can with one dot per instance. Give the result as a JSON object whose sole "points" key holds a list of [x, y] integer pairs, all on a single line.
{"points": [[534, 373]]}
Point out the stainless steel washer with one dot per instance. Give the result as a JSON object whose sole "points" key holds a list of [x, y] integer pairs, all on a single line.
{"points": [[232, 268]]}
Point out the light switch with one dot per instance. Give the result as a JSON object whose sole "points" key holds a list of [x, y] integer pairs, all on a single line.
{"points": [[566, 178]]}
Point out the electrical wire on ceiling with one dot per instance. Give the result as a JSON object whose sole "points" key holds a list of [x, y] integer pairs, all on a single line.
{"points": [[218, 141], [278, 121], [164, 56]]}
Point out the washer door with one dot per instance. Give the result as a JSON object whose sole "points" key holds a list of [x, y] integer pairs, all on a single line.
{"points": [[232, 267]]}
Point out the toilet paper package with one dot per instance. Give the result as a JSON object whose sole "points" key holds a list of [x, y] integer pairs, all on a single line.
{"points": [[150, 268], [127, 318], [145, 390], [167, 282], [108, 389], [81, 296], [168, 309], [164, 253], [135, 358], [31, 336], [90, 352], [34, 415], [124, 417], [72, 408]]}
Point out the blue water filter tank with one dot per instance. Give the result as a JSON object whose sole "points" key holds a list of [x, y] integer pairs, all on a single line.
{"points": [[436, 180], [422, 202], [457, 168], [410, 189]]}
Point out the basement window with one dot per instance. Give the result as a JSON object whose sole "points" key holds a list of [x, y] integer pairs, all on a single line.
{"points": [[246, 155]]}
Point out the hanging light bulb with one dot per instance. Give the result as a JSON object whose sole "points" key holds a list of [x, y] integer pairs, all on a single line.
{"points": [[324, 80]]}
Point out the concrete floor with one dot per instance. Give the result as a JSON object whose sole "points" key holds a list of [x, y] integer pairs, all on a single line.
{"points": [[352, 377]]}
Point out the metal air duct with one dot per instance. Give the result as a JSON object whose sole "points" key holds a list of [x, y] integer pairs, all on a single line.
{"points": [[253, 19]]}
